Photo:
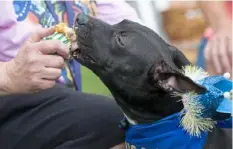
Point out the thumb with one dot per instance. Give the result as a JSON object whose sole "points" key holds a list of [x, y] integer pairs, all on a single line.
{"points": [[41, 33]]}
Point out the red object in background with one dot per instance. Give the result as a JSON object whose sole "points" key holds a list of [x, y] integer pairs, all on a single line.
{"points": [[229, 7], [209, 32]]}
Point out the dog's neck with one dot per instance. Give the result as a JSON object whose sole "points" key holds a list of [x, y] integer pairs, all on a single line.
{"points": [[133, 115], [148, 109]]}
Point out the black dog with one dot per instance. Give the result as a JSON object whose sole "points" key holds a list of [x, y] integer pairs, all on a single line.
{"points": [[140, 69]]}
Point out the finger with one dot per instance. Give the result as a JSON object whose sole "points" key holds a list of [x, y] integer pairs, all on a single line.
{"points": [[52, 46], [229, 51], [207, 52], [46, 84], [223, 54], [51, 73], [53, 61], [41, 33], [215, 56]]}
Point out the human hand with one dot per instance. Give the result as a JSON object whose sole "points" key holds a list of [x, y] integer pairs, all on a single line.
{"points": [[218, 52], [33, 68]]}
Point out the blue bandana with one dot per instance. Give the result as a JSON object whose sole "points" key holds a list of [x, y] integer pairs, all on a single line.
{"points": [[168, 133], [163, 134]]}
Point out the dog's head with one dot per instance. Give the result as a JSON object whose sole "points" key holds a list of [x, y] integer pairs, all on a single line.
{"points": [[140, 68]]}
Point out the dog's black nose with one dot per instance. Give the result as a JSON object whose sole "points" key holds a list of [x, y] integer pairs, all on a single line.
{"points": [[81, 19]]}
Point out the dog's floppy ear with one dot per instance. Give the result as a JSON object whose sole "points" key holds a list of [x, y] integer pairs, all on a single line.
{"points": [[178, 57], [163, 76]]}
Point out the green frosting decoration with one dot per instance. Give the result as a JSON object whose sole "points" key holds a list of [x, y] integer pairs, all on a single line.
{"points": [[61, 37]]}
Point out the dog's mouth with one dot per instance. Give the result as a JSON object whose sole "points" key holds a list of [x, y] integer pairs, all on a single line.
{"points": [[79, 55], [80, 50], [75, 51]]}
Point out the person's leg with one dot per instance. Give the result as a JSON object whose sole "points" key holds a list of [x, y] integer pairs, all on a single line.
{"points": [[59, 118]]}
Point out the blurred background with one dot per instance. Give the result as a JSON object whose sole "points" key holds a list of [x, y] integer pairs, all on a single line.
{"points": [[180, 23]]}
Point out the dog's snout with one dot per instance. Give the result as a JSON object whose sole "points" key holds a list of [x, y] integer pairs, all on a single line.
{"points": [[81, 19]]}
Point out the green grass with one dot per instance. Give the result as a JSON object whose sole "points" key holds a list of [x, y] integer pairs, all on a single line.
{"points": [[92, 84]]}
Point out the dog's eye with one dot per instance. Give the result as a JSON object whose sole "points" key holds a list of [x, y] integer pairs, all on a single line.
{"points": [[119, 41]]}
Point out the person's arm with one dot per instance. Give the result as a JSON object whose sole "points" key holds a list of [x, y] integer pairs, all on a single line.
{"points": [[215, 13], [13, 33], [218, 52], [10, 38], [3, 77]]}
